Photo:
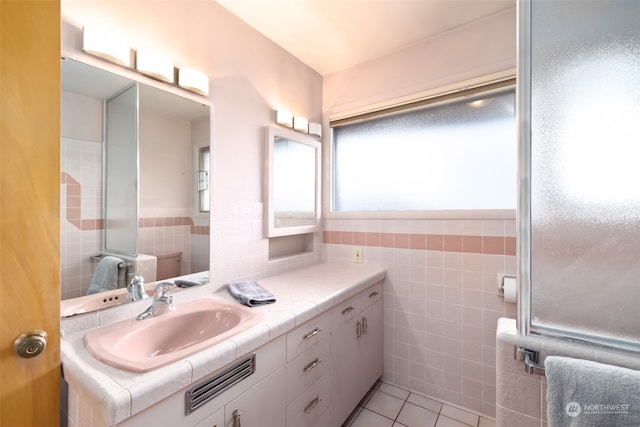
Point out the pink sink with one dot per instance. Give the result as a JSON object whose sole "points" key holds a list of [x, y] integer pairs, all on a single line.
{"points": [[143, 345]]}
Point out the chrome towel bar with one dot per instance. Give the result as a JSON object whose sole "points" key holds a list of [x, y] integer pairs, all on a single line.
{"points": [[530, 359]]}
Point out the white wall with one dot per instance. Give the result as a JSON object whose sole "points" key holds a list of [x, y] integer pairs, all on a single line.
{"points": [[474, 50]]}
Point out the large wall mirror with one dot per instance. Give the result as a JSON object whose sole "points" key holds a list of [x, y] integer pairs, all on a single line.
{"points": [[293, 182], [165, 142]]}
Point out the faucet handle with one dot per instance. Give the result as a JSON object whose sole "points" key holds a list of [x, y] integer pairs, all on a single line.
{"points": [[162, 290], [135, 278]]}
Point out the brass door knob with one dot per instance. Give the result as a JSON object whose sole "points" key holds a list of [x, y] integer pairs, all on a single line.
{"points": [[31, 343]]}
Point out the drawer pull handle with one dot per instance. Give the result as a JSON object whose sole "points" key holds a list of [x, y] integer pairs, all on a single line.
{"points": [[312, 334], [347, 310], [374, 294], [311, 365], [312, 405], [236, 418]]}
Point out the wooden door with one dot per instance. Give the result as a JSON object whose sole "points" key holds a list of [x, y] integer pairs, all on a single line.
{"points": [[29, 208]]}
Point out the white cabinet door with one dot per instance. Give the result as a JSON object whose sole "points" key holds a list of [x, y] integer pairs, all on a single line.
{"points": [[213, 420], [370, 348], [263, 405], [356, 355]]}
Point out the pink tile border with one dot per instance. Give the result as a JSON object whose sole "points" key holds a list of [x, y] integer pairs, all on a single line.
{"points": [[73, 212], [493, 245]]}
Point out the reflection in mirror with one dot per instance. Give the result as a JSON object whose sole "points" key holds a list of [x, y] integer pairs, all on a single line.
{"points": [[171, 130], [293, 178]]}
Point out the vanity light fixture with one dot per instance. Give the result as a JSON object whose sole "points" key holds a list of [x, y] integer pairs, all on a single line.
{"points": [[107, 46], [301, 124], [479, 103], [284, 117], [193, 80], [315, 129], [155, 65]]}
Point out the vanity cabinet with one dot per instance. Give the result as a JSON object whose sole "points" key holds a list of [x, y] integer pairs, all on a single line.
{"points": [[261, 406], [308, 364], [333, 360], [311, 376], [356, 349], [259, 398], [327, 352]]}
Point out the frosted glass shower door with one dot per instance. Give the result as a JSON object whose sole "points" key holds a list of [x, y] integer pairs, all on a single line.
{"points": [[584, 213], [121, 172]]}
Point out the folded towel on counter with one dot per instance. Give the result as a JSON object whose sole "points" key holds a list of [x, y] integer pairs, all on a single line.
{"points": [[584, 393], [108, 276], [250, 293], [188, 282]]}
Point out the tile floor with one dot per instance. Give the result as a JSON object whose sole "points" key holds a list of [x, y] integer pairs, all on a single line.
{"points": [[389, 406]]}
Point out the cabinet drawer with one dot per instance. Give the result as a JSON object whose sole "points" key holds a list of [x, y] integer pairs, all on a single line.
{"points": [[371, 295], [307, 410], [304, 337], [305, 369]]}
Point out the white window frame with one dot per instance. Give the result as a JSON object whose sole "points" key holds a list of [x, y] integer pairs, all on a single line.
{"points": [[426, 96]]}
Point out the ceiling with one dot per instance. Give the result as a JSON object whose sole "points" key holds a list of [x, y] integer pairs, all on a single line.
{"points": [[331, 35]]}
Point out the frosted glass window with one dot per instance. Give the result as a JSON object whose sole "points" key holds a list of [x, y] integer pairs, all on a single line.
{"points": [[585, 179], [459, 155]]}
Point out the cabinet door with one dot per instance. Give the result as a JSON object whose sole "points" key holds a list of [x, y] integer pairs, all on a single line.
{"points": [[213, 420], [370, 348], [263, 405], [344, 367], [356, 360]]}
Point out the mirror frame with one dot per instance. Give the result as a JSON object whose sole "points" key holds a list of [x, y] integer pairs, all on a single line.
{"points": [[271, 133]]}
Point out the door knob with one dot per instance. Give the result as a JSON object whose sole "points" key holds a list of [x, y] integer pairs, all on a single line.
{"points": [[31, 343]]}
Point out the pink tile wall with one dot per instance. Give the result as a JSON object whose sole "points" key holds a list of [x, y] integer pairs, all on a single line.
{"points": [[441, 304], [81, 228]]}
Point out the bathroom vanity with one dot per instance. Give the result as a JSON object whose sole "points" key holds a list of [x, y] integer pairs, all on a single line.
{"points": [[308, 362]]}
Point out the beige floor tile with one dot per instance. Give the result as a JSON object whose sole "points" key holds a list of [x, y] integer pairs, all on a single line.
{"points": [[416, 416], [449, 422], [371, 419], [459, 415], [425, 402], [486, 422], [394, 391], [385, 404]]}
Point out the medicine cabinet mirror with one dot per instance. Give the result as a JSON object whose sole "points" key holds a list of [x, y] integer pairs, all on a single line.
{"points": [[293, 182], [160, 173]]}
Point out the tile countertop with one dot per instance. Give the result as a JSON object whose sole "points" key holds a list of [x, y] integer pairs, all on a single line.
{"points": [[117, 395]]}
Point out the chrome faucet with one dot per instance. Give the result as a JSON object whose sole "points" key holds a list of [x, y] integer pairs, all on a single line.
{"points": [[136, 287], [162, 302]]}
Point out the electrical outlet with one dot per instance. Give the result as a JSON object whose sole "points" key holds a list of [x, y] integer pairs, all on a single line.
{"points": [[357, 254]]}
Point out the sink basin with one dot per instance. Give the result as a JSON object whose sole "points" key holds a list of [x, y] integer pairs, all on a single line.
{"points": [[143, 345]]}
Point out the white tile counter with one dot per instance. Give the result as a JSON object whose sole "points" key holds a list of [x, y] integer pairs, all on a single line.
{"points": [[116, 395]]}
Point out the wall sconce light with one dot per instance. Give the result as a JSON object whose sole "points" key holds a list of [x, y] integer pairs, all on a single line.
{"points": [[301, 124], [155, 65], [193, 80], [106, 46], [315, 129], [284, 117]]}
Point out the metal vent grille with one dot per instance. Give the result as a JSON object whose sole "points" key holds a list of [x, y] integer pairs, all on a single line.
{"points": [[206, 390]]}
